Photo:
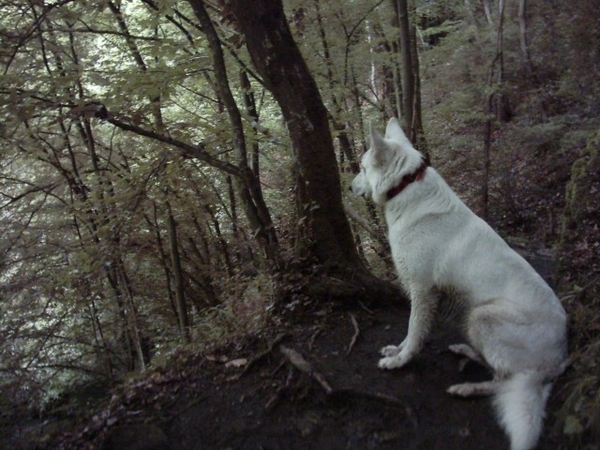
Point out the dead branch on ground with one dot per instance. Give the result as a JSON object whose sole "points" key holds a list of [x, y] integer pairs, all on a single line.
{"points": [[355, 335]]}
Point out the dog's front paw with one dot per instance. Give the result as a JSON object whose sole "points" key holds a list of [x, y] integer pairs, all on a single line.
{"points": [[389, 362], [394, 362], [391, 350]]}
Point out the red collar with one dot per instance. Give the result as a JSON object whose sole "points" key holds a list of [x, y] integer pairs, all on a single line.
{"points": [[417, 175]]}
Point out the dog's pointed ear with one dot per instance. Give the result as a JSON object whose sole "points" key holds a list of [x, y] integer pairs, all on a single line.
{"points": [[378, 145], [394, 131]]}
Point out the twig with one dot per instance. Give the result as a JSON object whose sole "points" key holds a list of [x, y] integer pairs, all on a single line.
{"points": [[355, 335], [298, 361], [277, 368], [314, 336], [362, 305]]}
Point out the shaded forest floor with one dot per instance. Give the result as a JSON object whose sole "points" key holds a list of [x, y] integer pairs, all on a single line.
{"points": [[323, 391]]}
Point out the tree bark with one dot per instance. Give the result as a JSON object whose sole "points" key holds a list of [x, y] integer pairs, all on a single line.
{"points": [[326, 232]]}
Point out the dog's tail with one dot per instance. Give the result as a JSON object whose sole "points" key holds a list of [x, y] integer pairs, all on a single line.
{"points": [[520, 402]]}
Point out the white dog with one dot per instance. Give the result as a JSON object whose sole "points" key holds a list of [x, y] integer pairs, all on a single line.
{"points": [[514, 322]]}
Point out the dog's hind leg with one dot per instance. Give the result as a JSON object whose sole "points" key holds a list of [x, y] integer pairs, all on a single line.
{"points": [[484, 388], [507, 337], [521, 347], [470, 354]]}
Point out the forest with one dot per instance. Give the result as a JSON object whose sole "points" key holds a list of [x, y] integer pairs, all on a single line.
{"points": [[174, 195]]}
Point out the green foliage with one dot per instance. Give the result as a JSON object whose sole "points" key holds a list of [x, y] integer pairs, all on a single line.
{"points": [[578, 414]]}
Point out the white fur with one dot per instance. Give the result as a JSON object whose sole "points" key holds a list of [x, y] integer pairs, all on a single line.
{"points": [[515, 323]]}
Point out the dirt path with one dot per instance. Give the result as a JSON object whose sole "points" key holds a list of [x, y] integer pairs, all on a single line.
{"points": [[274, 405], [324, 393]]}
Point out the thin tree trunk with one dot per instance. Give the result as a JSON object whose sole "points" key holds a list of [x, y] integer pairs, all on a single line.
{"points": [[347, 152], [407, 72], [503, 112], [531, 73], [220, 239], [418, 133], [495, 102], [162, 256], [487, 10], [142, 351], [248, 187], [410, 78], [252, 111], [487, 148], [137, 56], [182, 314]]}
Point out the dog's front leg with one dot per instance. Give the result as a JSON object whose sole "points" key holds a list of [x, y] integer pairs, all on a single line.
{"points": [[422, 312]]}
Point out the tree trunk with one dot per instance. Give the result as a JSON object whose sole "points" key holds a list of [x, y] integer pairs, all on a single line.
{"points": [[326, 232], [416, 128], [153, 224], [252, 111], [327, 238], [502, 105], [407, 73], [410, 79], [182, 314], [496, 107], [531, 74]]}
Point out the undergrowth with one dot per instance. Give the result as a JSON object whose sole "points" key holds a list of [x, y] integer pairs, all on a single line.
{"points": [[579, 415]]}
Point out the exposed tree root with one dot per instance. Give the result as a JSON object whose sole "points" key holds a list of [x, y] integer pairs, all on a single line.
{"points": [[298, 361], [262, 354]]}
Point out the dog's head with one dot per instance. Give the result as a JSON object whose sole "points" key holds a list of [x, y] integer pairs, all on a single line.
{"points": [[387, 161]]}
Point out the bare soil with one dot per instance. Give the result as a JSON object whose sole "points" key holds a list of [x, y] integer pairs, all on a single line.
{"points": [[325, 392]]}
